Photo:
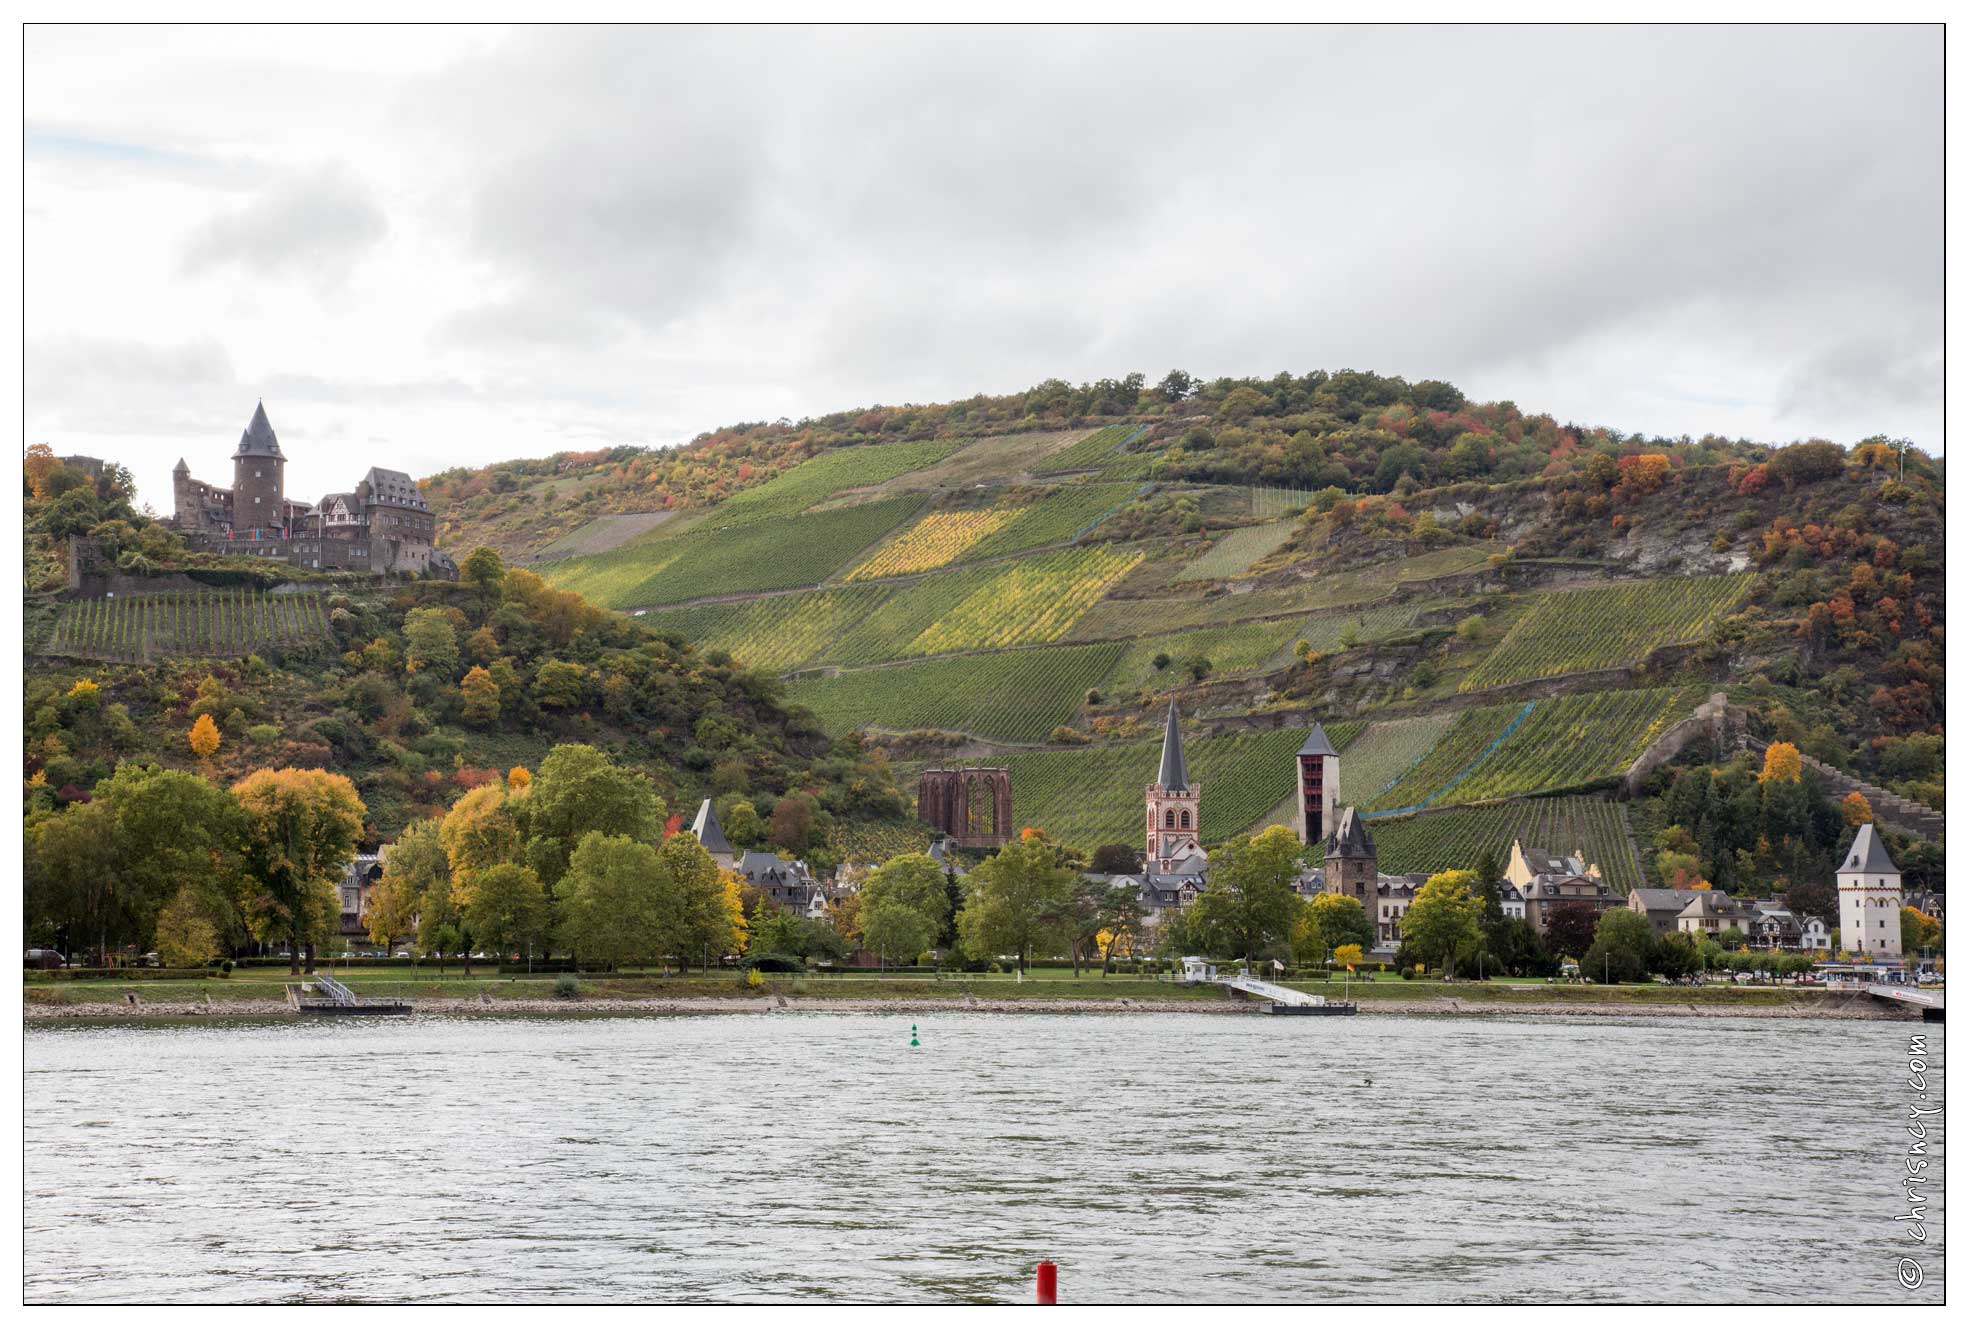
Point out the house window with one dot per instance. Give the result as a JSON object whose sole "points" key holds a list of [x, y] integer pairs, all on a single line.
{"points": [[1169, 819], [1186, 819]]}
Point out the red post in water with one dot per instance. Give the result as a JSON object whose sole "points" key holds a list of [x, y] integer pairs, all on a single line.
{"points": [[1049, 1284]]}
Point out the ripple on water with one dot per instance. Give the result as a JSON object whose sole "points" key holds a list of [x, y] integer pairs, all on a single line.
{"points": [[811, 1158]]}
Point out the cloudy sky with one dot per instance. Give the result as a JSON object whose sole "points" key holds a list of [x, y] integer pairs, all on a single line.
{"points": [[433, 247]]}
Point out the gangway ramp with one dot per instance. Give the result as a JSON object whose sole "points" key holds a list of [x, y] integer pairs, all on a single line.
{"points": [[1927, 1001], [1284, 1000]]}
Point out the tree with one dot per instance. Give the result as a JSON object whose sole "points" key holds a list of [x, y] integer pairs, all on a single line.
{"points": [[793, 823], [1623, 946], [1016, 896], [1116, 860], [481, 698], [743, 828], [613, 900], [1781, 764], [175, 831], [1118, 914], [481, 831], [1570, 928], [430, 642], [1442, 920], [74, 891], [508, 909], [1250, 904], [704, 914], [185, 935], [903, 906], [560, 685], [578, 790], [300, 833], [1348, 956], [1856, 810], [204, 738], [1341, 920], [483, 570]]}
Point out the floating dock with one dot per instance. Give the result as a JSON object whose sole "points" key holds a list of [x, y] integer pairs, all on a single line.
{"points": [[323, 995]]}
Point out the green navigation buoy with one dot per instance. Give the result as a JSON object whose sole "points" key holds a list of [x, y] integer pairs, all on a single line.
{"points": [[912, 1037]]}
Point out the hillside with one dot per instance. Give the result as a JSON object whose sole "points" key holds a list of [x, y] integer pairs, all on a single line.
{"points": [[418, 692], [1493, 614], [1497, 609]]}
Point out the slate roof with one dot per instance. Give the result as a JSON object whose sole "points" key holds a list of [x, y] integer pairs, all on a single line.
{"points": [[1542, 861], [1316, 744], [258, 438], [181, 468], [395, 488], [708, 832], [1350, 838], [1652, 898], [1174, 775], [1868, 854]]}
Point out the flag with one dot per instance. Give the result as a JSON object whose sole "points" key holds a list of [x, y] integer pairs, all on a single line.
{"points": [[1350, 969]]}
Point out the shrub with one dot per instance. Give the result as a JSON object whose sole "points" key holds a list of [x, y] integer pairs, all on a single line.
{"points": [[225, 969], [771, 962], [567, 988]]}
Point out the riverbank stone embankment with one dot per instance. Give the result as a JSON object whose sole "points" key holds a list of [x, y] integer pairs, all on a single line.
{"points": [[1854, 1008]]}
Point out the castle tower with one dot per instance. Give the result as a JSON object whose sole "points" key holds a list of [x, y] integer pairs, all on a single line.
{"points": [[1173, 805], [184, 497], [1352, 864], [1319, 788], [259, 482], [1869, 898]]}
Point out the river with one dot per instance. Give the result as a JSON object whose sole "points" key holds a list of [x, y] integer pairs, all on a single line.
{"points": [[814, 1157]]}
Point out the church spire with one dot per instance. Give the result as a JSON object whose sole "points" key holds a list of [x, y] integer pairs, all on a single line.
{"points": [[1175, 774]]}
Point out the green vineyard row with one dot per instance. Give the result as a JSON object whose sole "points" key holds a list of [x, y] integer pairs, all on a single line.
{"points": [[1607, 627], [189, 624]]}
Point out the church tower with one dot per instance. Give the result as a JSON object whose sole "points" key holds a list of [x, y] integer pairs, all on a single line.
{"points": [[1869, 898], [1319, 788], [1173, 805], [259, 482]]}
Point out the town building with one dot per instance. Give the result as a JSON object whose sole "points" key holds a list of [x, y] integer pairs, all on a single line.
{"points": [[1662, 905], [1869, 898], [358, 883], [383, 525], [1713, 912]]}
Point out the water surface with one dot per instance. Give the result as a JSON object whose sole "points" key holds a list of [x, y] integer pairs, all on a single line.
{"points": [[817, 1157]]}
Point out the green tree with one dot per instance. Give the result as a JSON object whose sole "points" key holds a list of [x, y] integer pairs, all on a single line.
{"points": [[481, 698], [508, 909], [903, 905], [74, 891], [483, 570], [1341, 920], [1250, 904], [1442, 920], [185, 935], [703, 915], [1624, 943], [300, 830], [175, 830], [560, 685], [416, 885], [578, 791], [481, 831], [430, 643], [1016, 897], [612, 900]]}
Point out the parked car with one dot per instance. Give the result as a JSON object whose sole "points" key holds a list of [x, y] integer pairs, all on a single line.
{"points": [[402, 955], [42, 958], [151, 961]]}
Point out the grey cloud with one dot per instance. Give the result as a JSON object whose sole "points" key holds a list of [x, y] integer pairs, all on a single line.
{"points": [[313, 225]]}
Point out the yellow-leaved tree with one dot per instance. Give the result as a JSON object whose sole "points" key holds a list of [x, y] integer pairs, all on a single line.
{"points": [[300, 834], [185, 936], [1781, 762], [1348, 955], [204, 738], [1857, 810]]}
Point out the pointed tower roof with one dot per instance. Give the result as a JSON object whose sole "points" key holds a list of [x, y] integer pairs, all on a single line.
{"points": [[708, 832], [1316, 744], [258, 439], [1868, 854], [1350, 838], [181, 468], [1174, 773]]}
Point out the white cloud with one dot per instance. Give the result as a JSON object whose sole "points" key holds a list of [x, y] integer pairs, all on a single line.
{"points": [[539, 238]]}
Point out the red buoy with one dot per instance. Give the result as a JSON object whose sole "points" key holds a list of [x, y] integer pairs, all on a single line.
{"points": [[1049, 1283]]}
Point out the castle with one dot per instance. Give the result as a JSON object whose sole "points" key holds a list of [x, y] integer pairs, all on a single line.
{"points": [[383, 525]]}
